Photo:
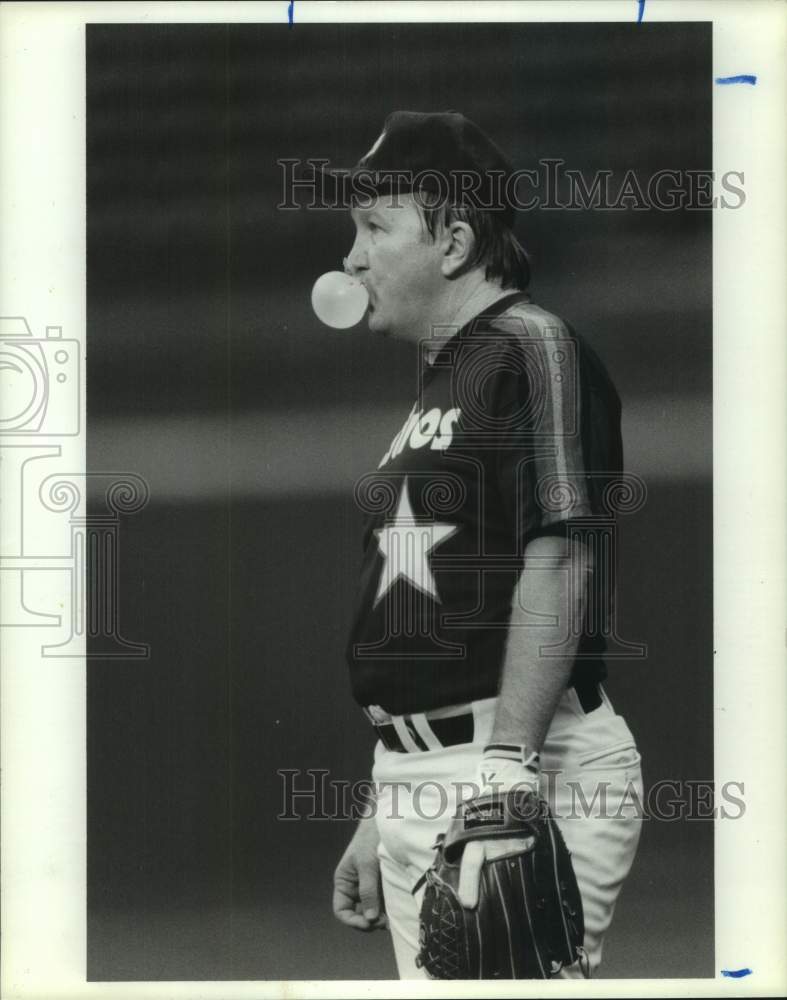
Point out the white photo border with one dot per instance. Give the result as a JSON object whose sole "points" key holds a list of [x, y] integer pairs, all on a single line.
{"points": [[42, 279]]}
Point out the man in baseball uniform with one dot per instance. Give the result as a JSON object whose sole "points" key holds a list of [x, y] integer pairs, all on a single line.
{"points": [[477, 646]]}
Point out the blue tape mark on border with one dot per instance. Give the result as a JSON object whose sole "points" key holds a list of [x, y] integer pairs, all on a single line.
{"points": [[741, 78], [291, 11], [736, 973], [641, 11]]}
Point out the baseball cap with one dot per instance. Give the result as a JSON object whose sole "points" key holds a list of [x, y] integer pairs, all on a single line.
{"points": [[441, 152]]}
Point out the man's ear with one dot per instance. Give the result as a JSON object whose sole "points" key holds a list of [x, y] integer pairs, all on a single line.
{"points": [[459, 243]]}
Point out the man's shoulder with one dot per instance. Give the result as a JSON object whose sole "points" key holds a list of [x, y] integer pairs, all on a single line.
{"points": [[531, 317], [528, 329], [522, 324], [526, 319]]}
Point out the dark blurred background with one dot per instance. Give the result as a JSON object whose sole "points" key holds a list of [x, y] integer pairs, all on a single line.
{"points": [[209, 375]]}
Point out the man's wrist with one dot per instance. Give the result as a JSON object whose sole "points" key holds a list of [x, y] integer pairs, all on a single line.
{"points": [[507, 766], [518, 753]]}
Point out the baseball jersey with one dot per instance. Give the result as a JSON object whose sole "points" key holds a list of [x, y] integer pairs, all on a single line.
{"points": [[515, 433]]}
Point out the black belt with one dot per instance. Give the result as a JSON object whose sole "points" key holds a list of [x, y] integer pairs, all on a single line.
{"points": [[455, 729], [450, 731]]}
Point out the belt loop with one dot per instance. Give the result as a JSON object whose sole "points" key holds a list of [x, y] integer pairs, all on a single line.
{"points": [[404, 734], [425, 731]]}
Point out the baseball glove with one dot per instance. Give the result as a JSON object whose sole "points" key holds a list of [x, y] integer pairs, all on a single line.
{"points": [[528, 923]]}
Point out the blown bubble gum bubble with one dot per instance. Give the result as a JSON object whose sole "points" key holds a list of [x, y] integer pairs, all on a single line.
{"points": [[339, 300]]}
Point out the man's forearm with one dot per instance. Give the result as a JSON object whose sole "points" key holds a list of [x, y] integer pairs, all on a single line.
{"points": [[553, 582]]}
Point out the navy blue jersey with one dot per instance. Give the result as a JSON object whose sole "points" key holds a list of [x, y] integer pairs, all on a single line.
{"points": [[515, 434]]}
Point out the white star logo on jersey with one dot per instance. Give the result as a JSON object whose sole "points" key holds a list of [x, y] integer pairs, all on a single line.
{"points": [[405, 545]]}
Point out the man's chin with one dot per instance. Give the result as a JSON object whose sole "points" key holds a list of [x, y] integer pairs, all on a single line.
{"points": [[376, 323]]}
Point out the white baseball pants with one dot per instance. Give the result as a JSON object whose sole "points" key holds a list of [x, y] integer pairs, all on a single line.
{"points": [[591, 778]]}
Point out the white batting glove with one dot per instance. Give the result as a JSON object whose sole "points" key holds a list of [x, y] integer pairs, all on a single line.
{"points": [[514, 768]]}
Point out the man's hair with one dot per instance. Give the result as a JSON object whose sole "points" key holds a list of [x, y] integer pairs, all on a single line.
{"points": [[496, 247]]}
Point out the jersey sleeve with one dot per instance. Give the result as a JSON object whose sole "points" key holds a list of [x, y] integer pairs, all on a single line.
{"points": [[556, 440]]}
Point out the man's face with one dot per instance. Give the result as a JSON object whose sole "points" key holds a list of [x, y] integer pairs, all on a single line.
{"points": [[395, 258]]}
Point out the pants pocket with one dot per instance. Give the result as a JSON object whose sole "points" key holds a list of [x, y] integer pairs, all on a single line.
{"points": [[621, 755]]}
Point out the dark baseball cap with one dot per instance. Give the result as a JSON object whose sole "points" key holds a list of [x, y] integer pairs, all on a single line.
{"points": [[441, 152]]}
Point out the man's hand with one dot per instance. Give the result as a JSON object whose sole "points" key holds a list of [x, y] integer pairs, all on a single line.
{"points": [[357, 894], [473, 858], [493, 776], [528, 923]]}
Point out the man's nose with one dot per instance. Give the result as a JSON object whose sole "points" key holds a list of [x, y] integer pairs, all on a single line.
{"points": [[356, 261]]}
